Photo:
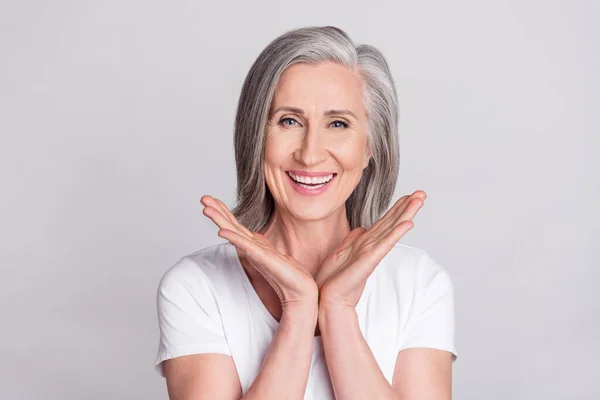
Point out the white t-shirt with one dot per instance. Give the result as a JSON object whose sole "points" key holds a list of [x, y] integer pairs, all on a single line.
{"points": [[206, 304]]}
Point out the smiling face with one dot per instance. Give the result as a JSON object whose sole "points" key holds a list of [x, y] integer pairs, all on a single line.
{"points": [[316, 140]]}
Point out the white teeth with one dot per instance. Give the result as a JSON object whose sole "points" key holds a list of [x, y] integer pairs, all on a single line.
{"points": [[314, 180], [311, 187]]}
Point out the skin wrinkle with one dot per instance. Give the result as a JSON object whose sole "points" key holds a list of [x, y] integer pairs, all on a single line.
{"points": [[309, 227], [300, 111]]}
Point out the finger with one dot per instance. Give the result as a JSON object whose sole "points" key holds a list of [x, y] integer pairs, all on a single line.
{"points": [[218, 218], [225, 209], [411, 203], [408, 210], [221, 207], [382, 220], [407, 213], [206, 200], [378, 252], [215, 203], [247, 246], [258, 255], [358, 272], [389, 241], [233, 218], [418, 195], [411, 209], [382, 225]]}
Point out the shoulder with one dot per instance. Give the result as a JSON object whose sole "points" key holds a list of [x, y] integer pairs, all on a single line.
{"points": [[414, 269], [198, 269]]}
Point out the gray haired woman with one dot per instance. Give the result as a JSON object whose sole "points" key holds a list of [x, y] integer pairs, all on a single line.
{"points": [[311, 296]]}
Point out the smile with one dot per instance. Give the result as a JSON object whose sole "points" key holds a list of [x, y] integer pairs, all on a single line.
{"points": [[310, 185]]}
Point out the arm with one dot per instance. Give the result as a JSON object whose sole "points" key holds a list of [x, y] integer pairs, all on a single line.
{"points": [[353, 369], [283, 375], [420, 373], [191, 325], [423, 374]]}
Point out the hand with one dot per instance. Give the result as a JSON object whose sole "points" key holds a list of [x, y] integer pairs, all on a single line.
{"points": [[294, 286], [343, 274]]}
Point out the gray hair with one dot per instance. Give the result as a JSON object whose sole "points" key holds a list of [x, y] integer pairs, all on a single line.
{"points": [[314, 45]]}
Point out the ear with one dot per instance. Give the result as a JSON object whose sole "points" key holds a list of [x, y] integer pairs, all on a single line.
{"points": [[366, 159]]}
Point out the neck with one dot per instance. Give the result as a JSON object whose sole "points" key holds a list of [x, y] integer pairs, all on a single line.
{"points": [[309, 242]]}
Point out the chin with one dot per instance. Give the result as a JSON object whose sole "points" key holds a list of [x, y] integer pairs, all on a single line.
{"points": [[310, 212]]}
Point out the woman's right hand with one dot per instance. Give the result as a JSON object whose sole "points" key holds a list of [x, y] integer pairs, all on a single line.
{"points": [[292, 283]]}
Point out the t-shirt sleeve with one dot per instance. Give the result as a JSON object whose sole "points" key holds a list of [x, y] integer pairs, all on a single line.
{"points": [[188, 315], [431, 323]]}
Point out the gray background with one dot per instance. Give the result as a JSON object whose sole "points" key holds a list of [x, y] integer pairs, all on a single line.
{"points": [[117, 116]]}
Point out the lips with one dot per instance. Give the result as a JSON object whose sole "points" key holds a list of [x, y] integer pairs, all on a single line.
{"points": [[310, 183], [311, 180]]}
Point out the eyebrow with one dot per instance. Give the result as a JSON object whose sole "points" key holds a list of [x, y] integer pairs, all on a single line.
{"points": [[300, 111]]}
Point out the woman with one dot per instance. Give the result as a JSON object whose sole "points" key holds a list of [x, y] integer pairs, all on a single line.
{"points": [[311, 296]]}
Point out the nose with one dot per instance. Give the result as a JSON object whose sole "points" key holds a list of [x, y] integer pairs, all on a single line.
{"points": [[311, 150]]}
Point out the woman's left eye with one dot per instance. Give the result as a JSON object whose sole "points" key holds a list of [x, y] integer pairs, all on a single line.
{"points": [[339, 124]]}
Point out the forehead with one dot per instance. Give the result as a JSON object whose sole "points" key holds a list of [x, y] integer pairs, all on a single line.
{"points": [[318, 86]]}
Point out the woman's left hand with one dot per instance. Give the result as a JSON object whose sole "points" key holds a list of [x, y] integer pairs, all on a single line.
{"points": [[343, 274]]}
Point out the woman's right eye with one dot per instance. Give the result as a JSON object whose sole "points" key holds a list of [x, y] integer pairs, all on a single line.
{"points": [[288, 121]]}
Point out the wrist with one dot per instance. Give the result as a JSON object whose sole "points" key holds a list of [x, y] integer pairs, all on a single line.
{"points": [[327, 310], [335, 319], [335, 302], [305, 313]]}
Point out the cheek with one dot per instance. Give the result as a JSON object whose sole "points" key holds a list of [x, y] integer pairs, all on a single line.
{"points": [[351, 154], [277, 150]]}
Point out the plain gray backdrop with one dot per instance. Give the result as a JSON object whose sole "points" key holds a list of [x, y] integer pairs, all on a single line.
{"points": [[117, 116]]}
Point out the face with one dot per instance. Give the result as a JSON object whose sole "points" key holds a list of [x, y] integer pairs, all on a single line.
{"points": [[316, 140]]}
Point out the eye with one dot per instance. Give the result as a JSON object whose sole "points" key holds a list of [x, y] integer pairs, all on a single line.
{"points": [[288, 121], [339, 124]]}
